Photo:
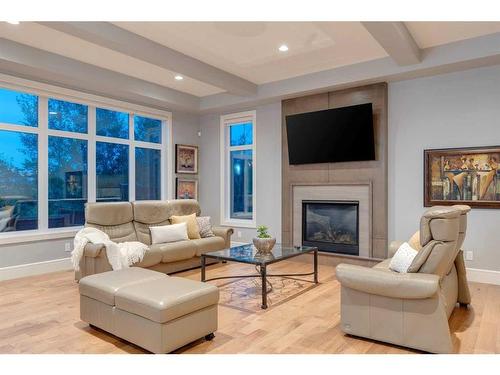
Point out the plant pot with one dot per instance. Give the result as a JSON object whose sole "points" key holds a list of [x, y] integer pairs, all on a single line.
{"points": [[264, 245]]}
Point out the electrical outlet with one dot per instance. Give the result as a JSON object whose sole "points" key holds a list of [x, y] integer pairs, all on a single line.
{"points": [[67, 247], [238, 233], [469, 255]]}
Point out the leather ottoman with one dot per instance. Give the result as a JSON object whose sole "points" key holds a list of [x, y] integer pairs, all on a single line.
{"points": [[150, 309]]}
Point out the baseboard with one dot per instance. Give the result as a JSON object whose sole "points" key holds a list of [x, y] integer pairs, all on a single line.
{"points": [[483, 276], [31, 269]]}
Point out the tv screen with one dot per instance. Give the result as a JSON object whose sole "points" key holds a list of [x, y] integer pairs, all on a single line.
{"points": [[332, 135]]}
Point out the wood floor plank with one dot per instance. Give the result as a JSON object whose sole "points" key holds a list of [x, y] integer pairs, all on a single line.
{"points": [[40, 314]]}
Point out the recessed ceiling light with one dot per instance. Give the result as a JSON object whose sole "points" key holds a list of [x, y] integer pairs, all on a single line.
{"points": [[52, 113], [13, 22], [178, 77], [283, 48]]}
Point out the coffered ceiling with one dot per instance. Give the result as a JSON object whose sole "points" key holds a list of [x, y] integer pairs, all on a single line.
{"points": [[236, 62]]}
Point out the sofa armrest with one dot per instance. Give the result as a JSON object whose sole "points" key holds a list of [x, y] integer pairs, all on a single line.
{"points": [[388, 284], [393, 247], [93, 250], [224, 232]]}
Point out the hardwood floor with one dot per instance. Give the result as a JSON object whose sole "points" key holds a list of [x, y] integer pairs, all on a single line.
{"points": [[40, 314]]}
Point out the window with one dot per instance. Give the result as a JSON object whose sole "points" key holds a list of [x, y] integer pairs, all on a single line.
{"points": [[147, 129], [238, 169], [112, 123], [18, 181], [67, 116], [18, 108], [56, 155], [67, 181], [147, 173]]}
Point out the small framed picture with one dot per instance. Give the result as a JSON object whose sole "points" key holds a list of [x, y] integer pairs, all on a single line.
{"points": [[186, 189], [186, 159]]}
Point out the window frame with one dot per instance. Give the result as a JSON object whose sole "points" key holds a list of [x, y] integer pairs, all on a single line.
{"points": [[225, 176], [46, 91]]}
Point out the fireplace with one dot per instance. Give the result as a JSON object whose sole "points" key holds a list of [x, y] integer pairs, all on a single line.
{"points": [[331, 226]]}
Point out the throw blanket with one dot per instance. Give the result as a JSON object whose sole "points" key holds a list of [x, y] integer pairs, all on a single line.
{"points": [[120, 255]]}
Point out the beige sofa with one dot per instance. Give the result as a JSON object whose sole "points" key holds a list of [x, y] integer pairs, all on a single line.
{"points": [[411, 309], [130, 221]]}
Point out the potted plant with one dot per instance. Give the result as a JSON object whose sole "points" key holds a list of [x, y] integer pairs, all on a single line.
{"points": [[264, 243]]}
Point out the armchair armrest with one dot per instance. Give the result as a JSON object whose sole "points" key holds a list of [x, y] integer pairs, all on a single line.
{"points": [[388, 284], [93, 250], [224, 232], [393, 247]]}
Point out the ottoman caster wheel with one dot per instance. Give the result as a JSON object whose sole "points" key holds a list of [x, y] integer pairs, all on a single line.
{"points": [[210, 337]]}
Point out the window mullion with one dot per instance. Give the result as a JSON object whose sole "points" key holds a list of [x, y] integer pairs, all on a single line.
{"points": [[43, 164], [91, 156], [131, 159]]}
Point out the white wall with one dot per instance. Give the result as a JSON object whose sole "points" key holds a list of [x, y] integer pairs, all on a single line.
{"points": [[268, 131], [452, 110], [185, 131]]}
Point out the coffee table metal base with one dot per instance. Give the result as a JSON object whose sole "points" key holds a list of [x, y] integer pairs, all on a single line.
{"points": [[263, 275]]}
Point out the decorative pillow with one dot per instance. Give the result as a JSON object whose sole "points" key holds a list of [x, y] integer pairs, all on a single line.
{"points": [[403, 258], [169, 233], [192, 225], [205, 226], [414, 241]]}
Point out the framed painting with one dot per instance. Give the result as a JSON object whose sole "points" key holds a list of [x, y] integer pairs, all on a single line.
{"points": [[186, 189], [186, 159], [462, 176]]}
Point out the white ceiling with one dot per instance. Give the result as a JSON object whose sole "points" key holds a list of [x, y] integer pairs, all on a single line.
{"points": [[431, 34], [246, 49], [250, 49], [36, 35]]}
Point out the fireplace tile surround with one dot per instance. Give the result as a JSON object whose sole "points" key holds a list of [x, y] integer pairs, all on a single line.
{"points": [[335, 192], [370, 174]]}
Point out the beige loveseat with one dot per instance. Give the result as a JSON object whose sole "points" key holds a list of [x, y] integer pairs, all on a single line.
{"points": [[130, 221], [411, 309]]}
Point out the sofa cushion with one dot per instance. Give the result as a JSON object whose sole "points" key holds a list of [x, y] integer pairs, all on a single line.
{"points": [[164, 300], [112, 213], [174, 251], [113, 218], [103, 286], [150, 214], [204, 245], [152, 256], [117, 233], [193, 229], [180, 207]]}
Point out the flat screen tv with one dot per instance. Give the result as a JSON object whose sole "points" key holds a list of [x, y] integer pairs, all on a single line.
{"points": [[332, 135]]}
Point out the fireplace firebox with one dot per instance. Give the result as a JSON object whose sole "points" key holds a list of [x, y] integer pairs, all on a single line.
{"points": [[331, 226]]}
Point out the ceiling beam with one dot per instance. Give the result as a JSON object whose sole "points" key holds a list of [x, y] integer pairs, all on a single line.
{"points": [[461, 55], [42, 66], [120, 40], [397, 41]]}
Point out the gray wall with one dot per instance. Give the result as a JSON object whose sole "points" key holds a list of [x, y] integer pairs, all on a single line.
{"points": [[185, 130], [268, 129], [453, 110]]}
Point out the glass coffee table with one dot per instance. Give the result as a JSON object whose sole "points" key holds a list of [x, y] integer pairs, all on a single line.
{"points": [[249, 255]]}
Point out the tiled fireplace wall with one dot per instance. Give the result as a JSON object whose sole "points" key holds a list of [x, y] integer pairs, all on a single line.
{"points": [[364, 173]]}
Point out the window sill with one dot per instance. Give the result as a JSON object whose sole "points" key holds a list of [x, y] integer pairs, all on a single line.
{"points": [[239, 224], [37, 235]]}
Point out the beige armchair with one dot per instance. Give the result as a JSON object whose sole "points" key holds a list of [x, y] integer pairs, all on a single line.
{"points": [[411, 309]]}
